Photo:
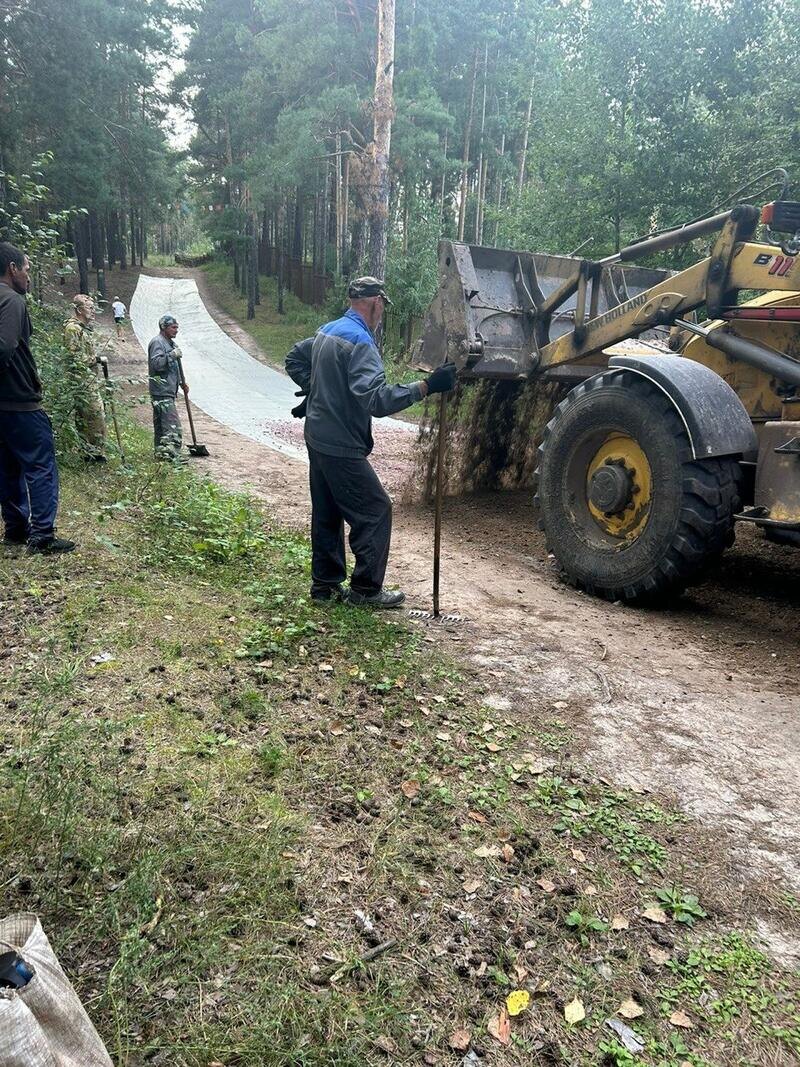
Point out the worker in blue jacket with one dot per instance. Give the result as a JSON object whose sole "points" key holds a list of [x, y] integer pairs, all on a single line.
{"points": [[341, 371]]}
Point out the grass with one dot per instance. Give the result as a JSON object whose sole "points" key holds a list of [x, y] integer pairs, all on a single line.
{"points": [[221, 798]]}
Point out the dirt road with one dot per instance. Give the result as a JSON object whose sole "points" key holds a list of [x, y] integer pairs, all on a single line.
{"points": [[699, 704]]}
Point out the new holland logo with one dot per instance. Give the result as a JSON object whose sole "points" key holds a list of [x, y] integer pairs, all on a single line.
{"points": [[780, 265]]}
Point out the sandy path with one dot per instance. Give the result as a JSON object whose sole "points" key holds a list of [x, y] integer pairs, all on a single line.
{"points": [[699, 704]]}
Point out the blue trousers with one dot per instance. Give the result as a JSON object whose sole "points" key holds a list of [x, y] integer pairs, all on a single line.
{"points": [[28, 475]]}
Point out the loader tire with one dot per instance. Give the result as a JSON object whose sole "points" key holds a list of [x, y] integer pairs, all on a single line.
{"points": [[627, 511]]}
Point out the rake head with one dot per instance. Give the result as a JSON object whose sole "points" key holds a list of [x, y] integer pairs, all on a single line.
{"points": [[428, 616]]}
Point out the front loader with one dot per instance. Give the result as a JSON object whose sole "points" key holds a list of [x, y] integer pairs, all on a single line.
{"points": [[661, 446]]}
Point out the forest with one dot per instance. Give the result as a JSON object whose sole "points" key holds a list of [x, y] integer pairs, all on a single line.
{"points": [[550, 125]]}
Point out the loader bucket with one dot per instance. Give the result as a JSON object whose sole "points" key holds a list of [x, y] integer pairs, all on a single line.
{"points": [[483, 316]]}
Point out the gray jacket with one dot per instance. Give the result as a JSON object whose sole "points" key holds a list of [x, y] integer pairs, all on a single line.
{"points": [[162, 368], [342, 372]]}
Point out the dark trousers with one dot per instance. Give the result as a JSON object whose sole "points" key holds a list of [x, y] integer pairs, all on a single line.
{"points": [[168, 438], [348, 491], [28, 475]]}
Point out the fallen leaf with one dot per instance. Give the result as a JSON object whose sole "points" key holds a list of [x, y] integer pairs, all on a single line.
{"points": [[326, 668], [487, 728], [443, 735], [680, 1018], [485, 852], [590, 891], [546, 885], [406, 724], [655, 914], [385, 1044], [629, 1038], [574, 1012], [472, 886], [629, 1009], [410, 788], [619, 922], [337, 728], [492, 747], [658, 955], [459, 1039], [520, 972], [168, 994], [500, 1027], [578, 856], [476, 817], [508, 853], [517, 1001]]}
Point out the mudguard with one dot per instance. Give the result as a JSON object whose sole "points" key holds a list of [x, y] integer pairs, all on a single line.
{"points": [[715, 418]]}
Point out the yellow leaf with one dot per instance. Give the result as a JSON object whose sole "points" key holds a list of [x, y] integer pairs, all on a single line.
{"points": [[410, 788], [337, 728], [680, 1018], [500, 1027], [485, 852], [518, 1001], [629, 1009], [658, 955], [546, 885], [578, 856], [655, 914], [619, 922], [472, 886], [574, 1012]]}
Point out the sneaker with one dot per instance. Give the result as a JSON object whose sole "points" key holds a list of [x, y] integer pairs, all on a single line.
{"points": [[329, 593], [50, 545], [384, 598]]}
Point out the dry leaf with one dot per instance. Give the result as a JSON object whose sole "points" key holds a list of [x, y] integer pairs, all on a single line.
{"points": [[476, 817], [459, 1039], [578, 856], [655, 914], [629, 1009], [472, 886], [574, 1012], [680, 1018], [658, 955], [326, 668], [517, 1001], [508, 853], [443, 735], [485, 852], [410, 788], [385, 1044], [500, 1027], [337, 728], [619, 922], [546, 885], [492, 747], [590, 891]]}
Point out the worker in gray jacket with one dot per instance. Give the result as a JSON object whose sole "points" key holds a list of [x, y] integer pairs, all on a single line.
{"points": [[164, 377], [341, 371]]}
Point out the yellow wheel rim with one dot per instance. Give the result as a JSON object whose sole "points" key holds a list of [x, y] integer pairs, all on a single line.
{"points": [[629, 520]]}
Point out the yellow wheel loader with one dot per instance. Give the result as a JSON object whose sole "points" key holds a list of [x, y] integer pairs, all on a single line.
{"points": [[674, 430]]}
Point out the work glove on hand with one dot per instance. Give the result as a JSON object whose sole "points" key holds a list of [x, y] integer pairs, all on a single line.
{"points": [[442, 380], [300, 411]]}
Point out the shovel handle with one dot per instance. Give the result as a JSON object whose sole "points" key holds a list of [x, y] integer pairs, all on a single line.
{"points": [[437, 521], [186, 399]]}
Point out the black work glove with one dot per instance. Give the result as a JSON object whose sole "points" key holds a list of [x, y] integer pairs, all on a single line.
{"points": [[300, 411], [442, 380]]}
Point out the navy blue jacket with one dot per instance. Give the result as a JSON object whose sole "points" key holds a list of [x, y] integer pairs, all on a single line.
{"points": [[342, 372]]}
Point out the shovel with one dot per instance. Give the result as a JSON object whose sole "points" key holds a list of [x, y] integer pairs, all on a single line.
{"points": [[194, 448]]}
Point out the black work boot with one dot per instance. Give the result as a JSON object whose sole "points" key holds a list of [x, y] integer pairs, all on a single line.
{"points": [[384, 598], [328, 594], [49, 546], [15, 540]]}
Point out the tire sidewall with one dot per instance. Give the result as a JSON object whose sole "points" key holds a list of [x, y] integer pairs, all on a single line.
{"points": [[642, 414]]}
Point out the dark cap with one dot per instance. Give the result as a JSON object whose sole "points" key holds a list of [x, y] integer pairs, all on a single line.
{"points": [[360, 288], [167, 320]]}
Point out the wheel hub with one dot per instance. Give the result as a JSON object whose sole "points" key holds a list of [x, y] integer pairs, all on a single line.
{"points": [[611, 487]]}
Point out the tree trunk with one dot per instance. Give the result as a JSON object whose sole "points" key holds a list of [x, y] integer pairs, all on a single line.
{"points": [[381, 139], [523, 158], [252, 266], [462, 207], [280, 244], [345, 235], [499, 197], [96, 239], [481, 155], [81, 240], [338, 197]]}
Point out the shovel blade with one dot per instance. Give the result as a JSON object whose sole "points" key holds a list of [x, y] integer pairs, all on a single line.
{"points": [[198, 450]]}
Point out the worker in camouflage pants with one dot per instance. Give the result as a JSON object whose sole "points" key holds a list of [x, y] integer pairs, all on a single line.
{"points": [[164, 377], [89, 415]]}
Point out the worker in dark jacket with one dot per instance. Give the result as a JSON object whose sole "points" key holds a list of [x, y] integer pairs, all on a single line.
{"points": [[341, 371], [163, 380], [28, 472]]}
